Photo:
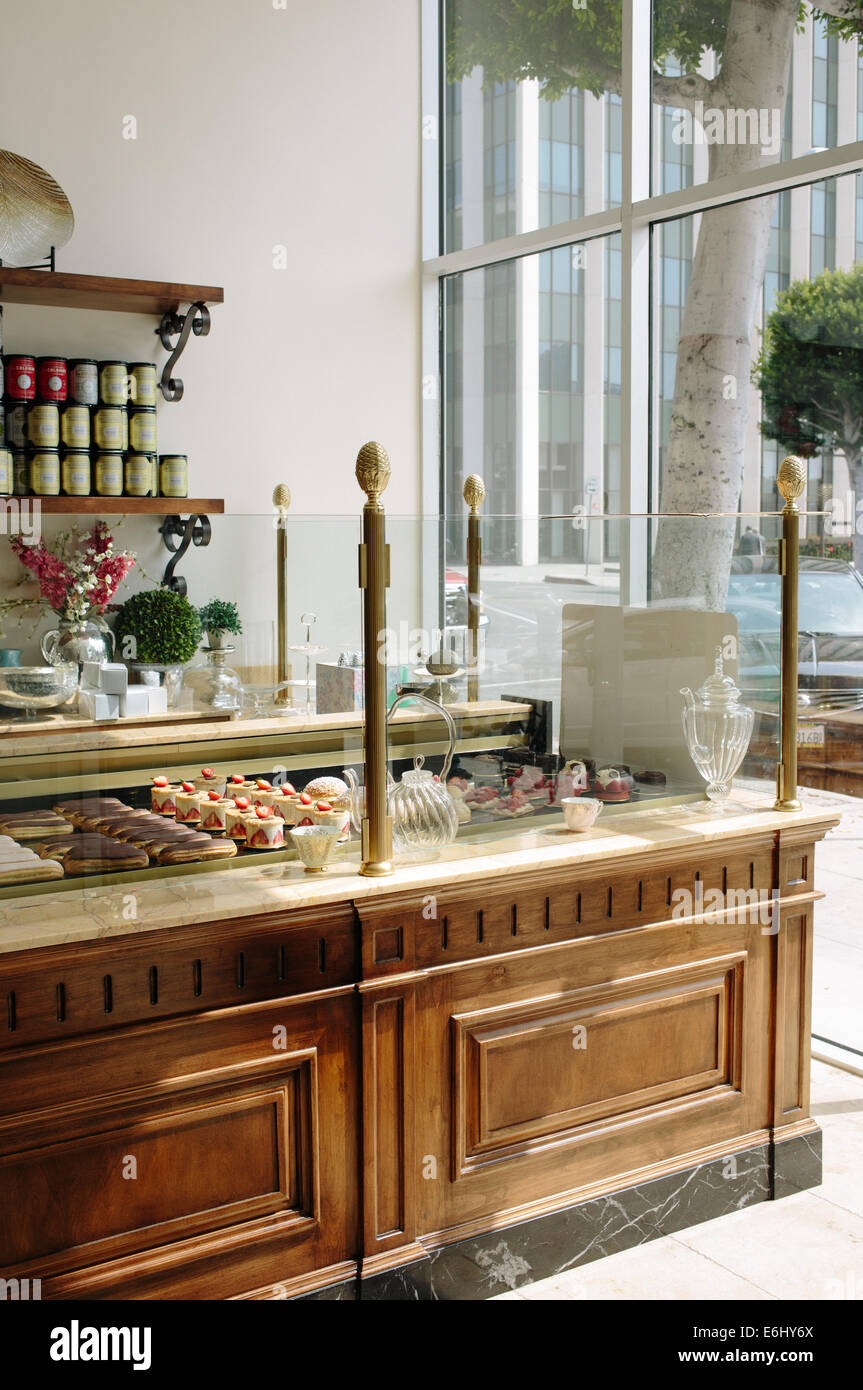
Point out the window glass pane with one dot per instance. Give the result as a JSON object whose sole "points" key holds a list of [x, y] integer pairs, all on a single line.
{"points": [[532, 357], [531, 132], [727, 101]]}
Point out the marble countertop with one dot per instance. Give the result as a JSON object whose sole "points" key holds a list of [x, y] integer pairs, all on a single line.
{"points": [[52, 919]]}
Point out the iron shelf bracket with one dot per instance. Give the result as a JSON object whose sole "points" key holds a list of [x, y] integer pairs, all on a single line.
{"points": [[178, 534], [196, 320]]}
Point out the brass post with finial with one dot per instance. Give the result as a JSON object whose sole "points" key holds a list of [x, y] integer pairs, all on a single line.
{"points": [[474, 494], [281, 503], [373, 474], [791, 480]]}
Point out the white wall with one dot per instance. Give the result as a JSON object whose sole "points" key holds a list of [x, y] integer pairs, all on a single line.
{"points": [[256, 126]]}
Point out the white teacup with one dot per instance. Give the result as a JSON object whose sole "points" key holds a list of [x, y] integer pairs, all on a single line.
{"points": [[580, 812]]}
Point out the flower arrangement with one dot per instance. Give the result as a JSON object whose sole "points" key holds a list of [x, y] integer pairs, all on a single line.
{"points": [[79, 577]]}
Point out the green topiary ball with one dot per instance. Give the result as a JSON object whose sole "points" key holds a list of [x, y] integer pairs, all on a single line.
{"points": [[157, 626]]}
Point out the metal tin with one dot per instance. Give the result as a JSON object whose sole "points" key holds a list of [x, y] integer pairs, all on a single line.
{"points": [[45, 473], [43, 426], [111, 429], [7, 472], [113, 383], [52, 378], [139, 475], [2, 423], [109, 475], [145, 378], [21, 471], [174, 475], [16, 424], [21, 378], [142, 431], [75, 426], [84, 381], [75, 473]]}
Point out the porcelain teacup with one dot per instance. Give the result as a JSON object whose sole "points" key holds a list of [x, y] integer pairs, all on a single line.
{"points": [[580, 812]]}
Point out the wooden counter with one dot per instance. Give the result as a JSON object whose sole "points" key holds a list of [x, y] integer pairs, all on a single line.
{"points": [[439, 1085]]}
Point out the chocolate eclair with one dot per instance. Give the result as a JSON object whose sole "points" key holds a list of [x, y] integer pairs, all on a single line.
{"points": [[94, 854]]}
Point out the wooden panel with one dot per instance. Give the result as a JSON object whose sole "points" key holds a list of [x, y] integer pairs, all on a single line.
{"points": [[244, 1123], [544, 1069], [388, 1119], [99, 985], [130, 506], [137, 1179], [793, 1017]]}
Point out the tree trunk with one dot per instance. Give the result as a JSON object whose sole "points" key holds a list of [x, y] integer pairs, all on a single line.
{"points": [[704, 459], [855, 470]]}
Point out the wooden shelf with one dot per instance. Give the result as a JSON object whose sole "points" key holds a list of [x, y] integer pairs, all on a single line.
{"points": [[63, 291], [130, 506]]}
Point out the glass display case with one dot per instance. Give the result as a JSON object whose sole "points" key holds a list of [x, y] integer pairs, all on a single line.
{"points": [[575, 691]]}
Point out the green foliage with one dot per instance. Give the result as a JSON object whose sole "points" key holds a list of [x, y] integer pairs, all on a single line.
{"points": [[164, 626], [810, 368], [564, 46], [220, 616], [849, 24]]}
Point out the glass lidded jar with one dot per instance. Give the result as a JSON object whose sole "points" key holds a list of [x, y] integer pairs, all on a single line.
{"points": [[423, 813], [718, 729]]}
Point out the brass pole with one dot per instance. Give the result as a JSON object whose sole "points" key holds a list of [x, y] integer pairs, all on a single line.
{"points": [[791, 480], [281, 502], [373, 474], [473, 493]]}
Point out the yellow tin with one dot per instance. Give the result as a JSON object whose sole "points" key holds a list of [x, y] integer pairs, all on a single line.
{"points": [[45, 474], [174, 475], [109, 475], [75, 474]]}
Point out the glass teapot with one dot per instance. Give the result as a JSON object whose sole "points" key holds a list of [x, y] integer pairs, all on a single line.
{"points": [[718, 729], [423, 813]]}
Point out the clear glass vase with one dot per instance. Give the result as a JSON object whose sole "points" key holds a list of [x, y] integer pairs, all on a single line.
{"points": [[718, 729], [423, 813]]}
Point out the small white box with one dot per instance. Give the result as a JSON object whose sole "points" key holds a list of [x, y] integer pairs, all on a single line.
{"points": [[158, 698], [111, 677], [97, 704], [135, 701]]}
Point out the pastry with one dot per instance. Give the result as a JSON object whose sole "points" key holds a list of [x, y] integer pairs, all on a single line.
{"points": [[264, 793], [76, 806], [325, 814], [572, 780], [286, 804], [331, 789], [237, 785], [611, 785], [305, 804], [188, 805], [96, 854], [516, 804], [209, 780], [651, 779], [214, 812], [264, 829], [34, 825], [164, 796], [235, 818], [197, 847]]}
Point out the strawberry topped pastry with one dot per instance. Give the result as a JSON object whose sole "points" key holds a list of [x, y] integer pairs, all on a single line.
{"points": [[572, 780], [210, 780], [236, 812], [163, 797], [611, 785], [263, 792], [214, 812], [533, 783], [516, 804], [264, 829], [324, 813], [305, 805], [482, 798], [188, 803]]}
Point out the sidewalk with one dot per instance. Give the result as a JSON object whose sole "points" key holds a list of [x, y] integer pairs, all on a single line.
{"points": [[808, 1246]]}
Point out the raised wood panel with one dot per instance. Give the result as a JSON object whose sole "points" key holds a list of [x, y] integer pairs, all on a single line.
{"points": [[246, 1127], [543, 1070], [222, 1158], [388, 1119], [100, 985], [793, 1017], [544, 1119]]}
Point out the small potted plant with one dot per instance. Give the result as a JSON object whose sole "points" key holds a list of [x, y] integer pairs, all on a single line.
{"points": [[219, 620], [157, 633]]}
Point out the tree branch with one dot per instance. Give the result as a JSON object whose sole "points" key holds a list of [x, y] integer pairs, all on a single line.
{"points": [[684, 91]]}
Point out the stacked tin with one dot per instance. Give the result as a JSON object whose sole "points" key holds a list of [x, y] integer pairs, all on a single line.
{"points": [[82, 427]]}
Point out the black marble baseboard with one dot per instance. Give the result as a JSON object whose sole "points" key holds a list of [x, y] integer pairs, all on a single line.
{"points": [[507, 1259]]}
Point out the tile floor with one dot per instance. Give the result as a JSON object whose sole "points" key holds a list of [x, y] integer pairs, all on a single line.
{"points": [[809, 1246]]}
